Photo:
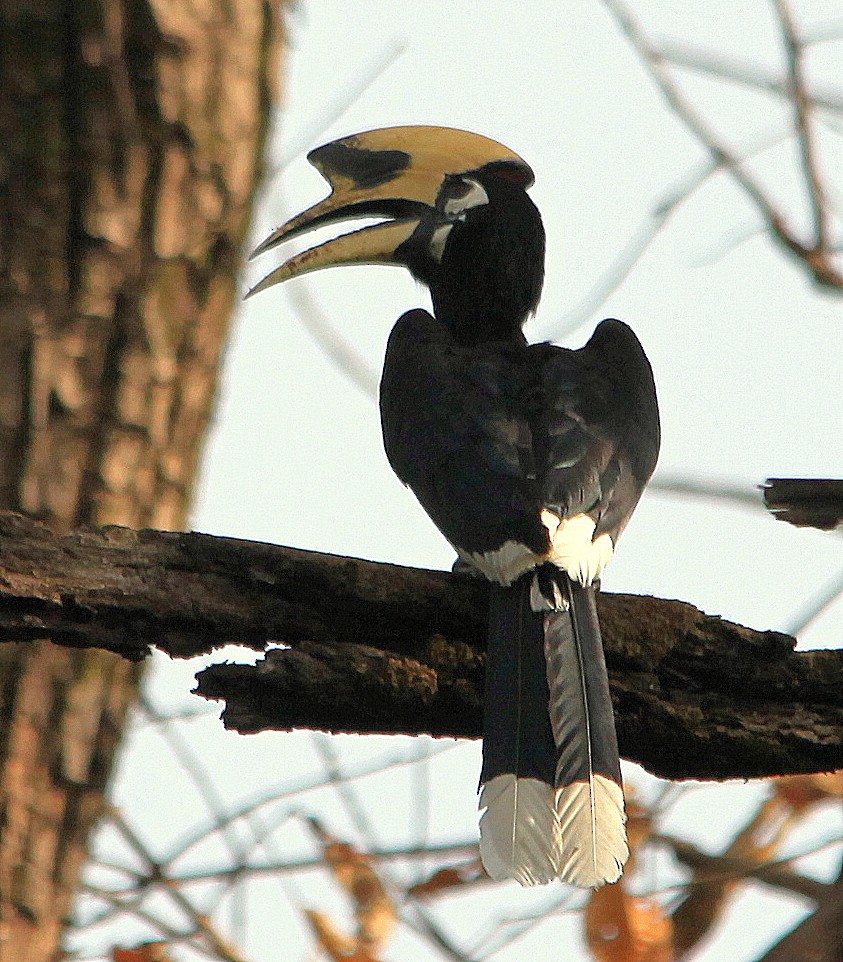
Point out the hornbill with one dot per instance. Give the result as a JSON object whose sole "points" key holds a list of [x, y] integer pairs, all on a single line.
{"points": [[529, 458]]}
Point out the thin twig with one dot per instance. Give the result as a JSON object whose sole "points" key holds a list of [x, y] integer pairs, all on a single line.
{"points": [[120, 906], [455, 852], [804, 125], [509, 929], [827, 31], [206, 788], [413, 914], [332, 110], [336, 348], [815, 606], [647, 231], [740, 495], [288, 792], [654, 61], [203, 926], [725, 868], [716, 64]]}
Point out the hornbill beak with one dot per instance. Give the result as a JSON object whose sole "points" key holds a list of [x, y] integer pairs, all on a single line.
{"points": [[393, 172]]}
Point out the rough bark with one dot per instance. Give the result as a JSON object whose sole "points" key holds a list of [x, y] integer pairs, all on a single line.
{"points": [[379, 648], [131, 136]]}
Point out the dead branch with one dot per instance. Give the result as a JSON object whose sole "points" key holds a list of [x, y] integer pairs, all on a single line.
{"points": [[379, 648], [806, 502]]}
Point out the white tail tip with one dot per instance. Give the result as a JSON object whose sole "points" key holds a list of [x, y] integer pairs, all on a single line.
{"points": [[519, 830], [592, 823], [533, 833]]}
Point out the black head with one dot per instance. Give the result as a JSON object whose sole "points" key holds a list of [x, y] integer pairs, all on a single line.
{"points": [[459, 219], [481, 253]]}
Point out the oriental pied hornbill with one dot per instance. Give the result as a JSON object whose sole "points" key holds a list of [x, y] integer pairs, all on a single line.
{"points": [[530, 459]]}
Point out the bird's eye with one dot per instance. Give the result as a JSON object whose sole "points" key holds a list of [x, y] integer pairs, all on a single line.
{"points": [[460, 194], [457, 188]]}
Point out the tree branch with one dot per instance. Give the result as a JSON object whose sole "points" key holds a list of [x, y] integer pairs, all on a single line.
{"points": [[379, 648], [814, 255]]}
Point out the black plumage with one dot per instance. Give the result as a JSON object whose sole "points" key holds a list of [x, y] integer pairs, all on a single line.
{"points": [[529, 458]]}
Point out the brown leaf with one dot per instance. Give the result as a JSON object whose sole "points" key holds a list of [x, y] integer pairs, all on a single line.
{"points": [[639, 826], [759, 841], [803, 791], [626, 928], [148, 952], [446, 879], [337, 945], [374, 909]]}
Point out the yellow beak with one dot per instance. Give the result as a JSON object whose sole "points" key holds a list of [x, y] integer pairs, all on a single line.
{"points": [[395, 172]]}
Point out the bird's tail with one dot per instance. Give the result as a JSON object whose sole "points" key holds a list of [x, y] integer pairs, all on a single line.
{"points": [[551, 784]]}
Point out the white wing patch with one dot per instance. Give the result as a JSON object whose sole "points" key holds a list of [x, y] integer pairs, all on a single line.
{"points": [[571, 549], [505, 565]]}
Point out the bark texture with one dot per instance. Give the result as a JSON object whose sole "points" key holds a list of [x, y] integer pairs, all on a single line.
{"points": [[131, 137], [380, 648]]}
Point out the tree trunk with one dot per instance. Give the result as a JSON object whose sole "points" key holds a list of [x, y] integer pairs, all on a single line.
{"points": [[132, 138]]}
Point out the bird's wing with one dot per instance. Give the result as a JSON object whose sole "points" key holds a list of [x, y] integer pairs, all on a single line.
{"points": [[455, 432], [597, 431]]}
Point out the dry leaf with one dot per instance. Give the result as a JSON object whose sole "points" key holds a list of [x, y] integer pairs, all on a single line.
{"points": [[148, 952], [373, 908], [626, 928], [639, 825], [448, 878], [803, 791], [336, 945], [759, 841]]}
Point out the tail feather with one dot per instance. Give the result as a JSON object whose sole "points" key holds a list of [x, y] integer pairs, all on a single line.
{"points": [[519, 827], [551, 786], [590, 802], [519, 830], [591, 822]]}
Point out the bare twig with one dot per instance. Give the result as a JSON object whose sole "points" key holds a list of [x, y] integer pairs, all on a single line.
{"points": [[334, 345], [797, 86], [333, 109], [716, 64], [743, 496], [816, 605], [814, 258], [119, 905], [826, 31], [508, 929], [223, 949], [413, 914], [727, 867], [647, 231]]}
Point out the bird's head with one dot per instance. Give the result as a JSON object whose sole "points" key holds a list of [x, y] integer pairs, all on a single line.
{"points": [[458, 218]]}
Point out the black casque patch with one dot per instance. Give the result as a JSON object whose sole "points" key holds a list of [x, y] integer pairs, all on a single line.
{"points": [[367, 168]]}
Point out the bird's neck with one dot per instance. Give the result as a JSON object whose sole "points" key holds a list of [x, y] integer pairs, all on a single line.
{"points": [[479, 324]]}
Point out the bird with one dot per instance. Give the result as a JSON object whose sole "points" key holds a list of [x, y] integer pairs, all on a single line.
{"points": [[529, 458]]}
